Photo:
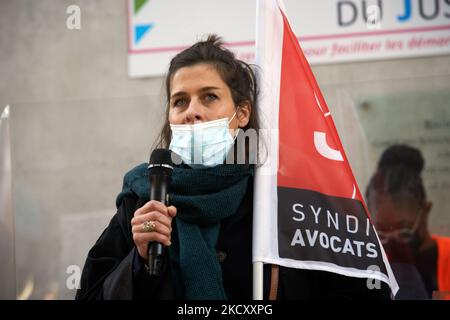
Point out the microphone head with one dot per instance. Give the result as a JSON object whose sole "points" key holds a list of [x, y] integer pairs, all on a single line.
{"points": [[161, 156], [161, 159]]}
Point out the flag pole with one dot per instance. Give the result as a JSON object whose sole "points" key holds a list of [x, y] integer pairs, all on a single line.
{"points": [[258, 280]]}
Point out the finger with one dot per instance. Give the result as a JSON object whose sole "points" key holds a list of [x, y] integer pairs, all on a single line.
{"points": [[172, 211], [154, 205], [151, 205], [157, 216], [141, 239], [152, 216], [159, 228]]}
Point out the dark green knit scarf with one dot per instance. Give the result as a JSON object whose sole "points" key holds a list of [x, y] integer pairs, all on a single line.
{"points": [[203, 198]]}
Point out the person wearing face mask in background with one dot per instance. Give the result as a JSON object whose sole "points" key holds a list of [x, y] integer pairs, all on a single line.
{"points": [[207, 229], [397, 201]]}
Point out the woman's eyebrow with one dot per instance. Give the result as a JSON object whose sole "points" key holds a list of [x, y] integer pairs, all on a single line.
{"points": [[201, 90], [208, 88], [177, 94]]}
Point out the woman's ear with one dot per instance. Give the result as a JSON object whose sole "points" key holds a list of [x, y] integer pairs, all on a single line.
{"points": [[243, 114]]}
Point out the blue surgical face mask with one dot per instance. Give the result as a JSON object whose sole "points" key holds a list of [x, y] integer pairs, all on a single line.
{"points": [[202, 144]]}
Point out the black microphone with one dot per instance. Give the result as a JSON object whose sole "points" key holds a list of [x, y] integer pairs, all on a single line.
{"points": [[160, 170]]}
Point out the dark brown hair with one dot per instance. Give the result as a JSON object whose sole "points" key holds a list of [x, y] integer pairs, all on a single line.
{"points": [[238, 75]]}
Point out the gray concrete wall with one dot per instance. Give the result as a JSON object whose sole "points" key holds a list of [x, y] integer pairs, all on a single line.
{"points": [[78, 123]]}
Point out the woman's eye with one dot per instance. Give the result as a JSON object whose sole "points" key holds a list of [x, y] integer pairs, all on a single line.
{"points": [[179, 102], [210, 97]]}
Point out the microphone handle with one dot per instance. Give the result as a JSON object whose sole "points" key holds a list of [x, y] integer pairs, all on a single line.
{"points": [[158, 191]]}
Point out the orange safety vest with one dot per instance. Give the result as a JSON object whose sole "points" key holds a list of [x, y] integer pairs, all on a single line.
{"points": [[443, 262]]}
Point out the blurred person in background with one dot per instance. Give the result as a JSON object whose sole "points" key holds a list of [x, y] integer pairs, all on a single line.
{"points": [[397, 201]]}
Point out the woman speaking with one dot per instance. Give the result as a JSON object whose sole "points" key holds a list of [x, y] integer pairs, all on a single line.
{"points": [[206, 232]]}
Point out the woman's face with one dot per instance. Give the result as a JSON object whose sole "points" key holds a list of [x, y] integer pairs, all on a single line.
{"points": [[198, 94]]}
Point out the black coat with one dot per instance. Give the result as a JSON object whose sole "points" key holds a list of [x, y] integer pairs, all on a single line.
{"points": [[111, 271]]}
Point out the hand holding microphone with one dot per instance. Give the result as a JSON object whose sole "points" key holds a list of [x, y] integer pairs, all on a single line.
{"points": [[152, 224], [161, 216]]}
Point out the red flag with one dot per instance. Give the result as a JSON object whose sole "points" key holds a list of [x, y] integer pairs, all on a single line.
{"points": [[309, 153], [317, 218]]}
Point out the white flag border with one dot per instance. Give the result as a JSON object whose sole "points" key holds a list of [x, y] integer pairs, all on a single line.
{"points": [[326, 266]]}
